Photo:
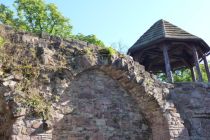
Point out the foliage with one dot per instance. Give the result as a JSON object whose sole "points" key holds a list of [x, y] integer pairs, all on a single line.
{"points": [[36, 16], [203, 72], [58, 25], [108, 51], [6, 15], [38, 105], [111, 51], [90, 39], [94, 40], [161, 77], [184, 75]]}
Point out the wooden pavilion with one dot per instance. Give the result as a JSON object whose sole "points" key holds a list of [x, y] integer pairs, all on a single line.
{"points": [[166, 48]]}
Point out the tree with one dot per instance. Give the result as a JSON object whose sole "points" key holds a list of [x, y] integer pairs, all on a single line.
{"points": [[6, 15], [56, 23], [36, 16]]}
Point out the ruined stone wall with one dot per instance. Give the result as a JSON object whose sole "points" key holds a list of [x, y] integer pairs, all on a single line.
{"points": [[192, 101], [94, 95], [6, 120]]}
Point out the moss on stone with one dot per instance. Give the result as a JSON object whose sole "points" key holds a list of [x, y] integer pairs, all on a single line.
{"points": [[88, 51], [2, 41]]}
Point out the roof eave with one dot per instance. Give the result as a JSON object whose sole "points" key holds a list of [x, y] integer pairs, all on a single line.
{"points": [[137, 47]]}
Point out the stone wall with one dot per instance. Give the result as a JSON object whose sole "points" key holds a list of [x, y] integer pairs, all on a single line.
{"points": [[6, 117], [100, 110], [98, 96], [193, 103]]}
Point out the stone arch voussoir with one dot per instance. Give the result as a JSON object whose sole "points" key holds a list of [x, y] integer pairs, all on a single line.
{"points": [[142, 87]]}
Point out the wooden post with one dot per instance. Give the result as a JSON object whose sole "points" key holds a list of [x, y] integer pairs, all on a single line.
{"points": [[193, 74], [195, 56], [206, 67], [167, 64]]}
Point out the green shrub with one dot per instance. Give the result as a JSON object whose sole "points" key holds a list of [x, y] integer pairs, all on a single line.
{"points": [[108, 51]]}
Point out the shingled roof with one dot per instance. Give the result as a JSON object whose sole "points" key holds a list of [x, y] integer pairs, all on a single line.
{"points": [[164, 30]]}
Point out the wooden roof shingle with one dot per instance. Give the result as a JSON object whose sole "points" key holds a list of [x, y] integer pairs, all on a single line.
{"points": [[163, 30]]}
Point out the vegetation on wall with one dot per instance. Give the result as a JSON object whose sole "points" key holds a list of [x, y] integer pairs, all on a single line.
{"points": [[2, 41], [38, 106], [21, 62], [108, 51], [90, 39]]}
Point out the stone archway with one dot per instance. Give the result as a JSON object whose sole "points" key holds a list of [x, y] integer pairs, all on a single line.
{"points": [[149, 95], [101, 110], [147, 102]]}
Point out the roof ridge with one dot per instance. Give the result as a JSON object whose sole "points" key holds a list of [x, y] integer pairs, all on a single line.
{"points": [[164, 28]]}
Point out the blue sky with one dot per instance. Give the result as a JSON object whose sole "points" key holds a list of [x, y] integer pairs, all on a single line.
{"points": [[125, 21]]}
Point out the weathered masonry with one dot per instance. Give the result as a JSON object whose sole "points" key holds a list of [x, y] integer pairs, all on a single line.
{"points": [[166, 48], [97, 96]]}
